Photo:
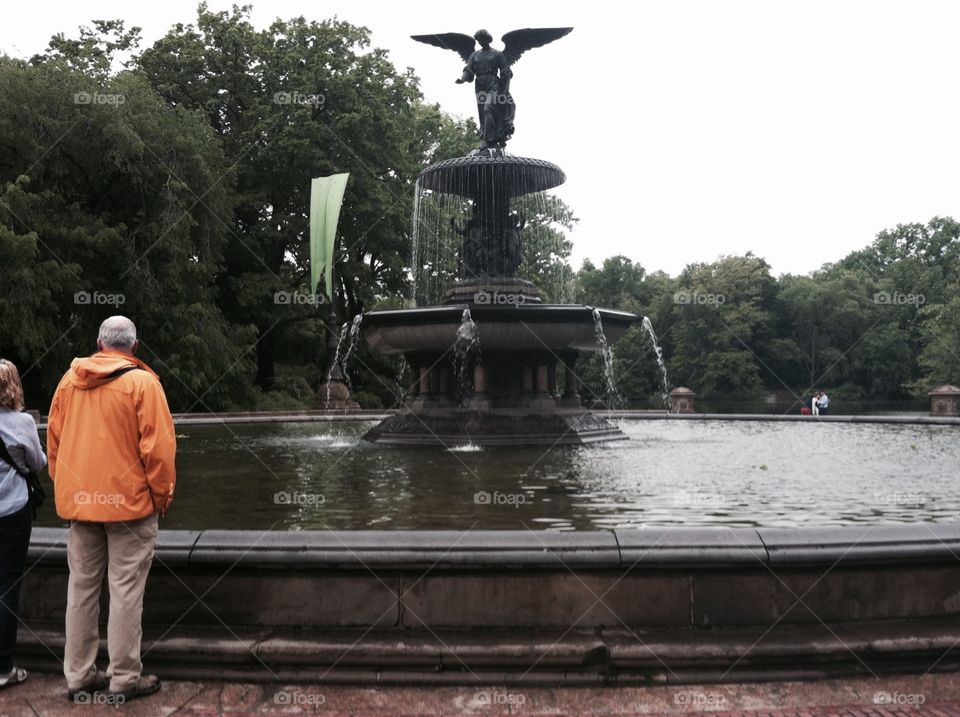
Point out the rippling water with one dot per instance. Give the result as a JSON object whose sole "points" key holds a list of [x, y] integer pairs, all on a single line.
{"points": [[313, 476]]}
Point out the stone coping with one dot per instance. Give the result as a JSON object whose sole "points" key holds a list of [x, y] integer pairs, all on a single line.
{"points": [[918, 419], [199, 419], [644, 549]]}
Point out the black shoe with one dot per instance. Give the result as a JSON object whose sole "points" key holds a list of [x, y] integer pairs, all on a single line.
{"points": [[95, 684], [146, 685]]}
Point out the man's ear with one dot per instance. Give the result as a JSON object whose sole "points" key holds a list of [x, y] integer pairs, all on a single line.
{"points": [[136, 345], [99, 345]]}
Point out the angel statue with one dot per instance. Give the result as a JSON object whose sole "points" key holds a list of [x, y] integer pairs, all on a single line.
{"points": [[491, 73]]}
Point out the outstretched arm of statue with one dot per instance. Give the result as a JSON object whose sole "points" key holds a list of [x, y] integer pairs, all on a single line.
{"points": [[467, 76]]}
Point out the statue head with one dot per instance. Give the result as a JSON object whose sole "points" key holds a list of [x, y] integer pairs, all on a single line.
{"points": [[483, 37]]}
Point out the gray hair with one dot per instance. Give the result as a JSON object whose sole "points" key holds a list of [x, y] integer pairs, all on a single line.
{"points": [[118, 332]]}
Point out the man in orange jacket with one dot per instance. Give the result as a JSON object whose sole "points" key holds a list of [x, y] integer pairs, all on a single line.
{"points": [[111, 447]]}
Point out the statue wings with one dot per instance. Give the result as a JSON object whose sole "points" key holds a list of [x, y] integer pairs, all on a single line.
{"points": [[515, 43], [458, 42]]}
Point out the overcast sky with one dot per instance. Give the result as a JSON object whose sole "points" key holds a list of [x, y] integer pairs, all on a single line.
{"points": [[687, 129]]}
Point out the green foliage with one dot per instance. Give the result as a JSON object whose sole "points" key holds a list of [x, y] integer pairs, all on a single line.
{"points": [[297, 100], [97, 217], [721, 323], [546, 248], [619, 284], [172, 185], [883, 323], [940, 358]]}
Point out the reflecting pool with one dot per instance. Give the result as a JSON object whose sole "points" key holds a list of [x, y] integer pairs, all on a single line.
{"points": [[299, 476]]}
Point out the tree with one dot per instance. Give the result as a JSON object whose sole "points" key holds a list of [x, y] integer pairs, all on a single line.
{"points": [[546, 247], [618, 284], [723, 321], [298, 100], [940, 359], [96, 218]]}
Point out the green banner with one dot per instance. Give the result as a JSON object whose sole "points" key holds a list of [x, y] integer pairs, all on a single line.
{"points": [[326, 198]]}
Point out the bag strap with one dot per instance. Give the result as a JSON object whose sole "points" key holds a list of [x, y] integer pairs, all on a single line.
{"points": [[7, 458], [119, 372]]}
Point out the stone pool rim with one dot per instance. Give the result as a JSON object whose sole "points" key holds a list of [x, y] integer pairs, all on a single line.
{"points": [[659, 546], [641, 606]]}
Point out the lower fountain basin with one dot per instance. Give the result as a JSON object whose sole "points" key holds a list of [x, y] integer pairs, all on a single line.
{"points": [[513, 327]]}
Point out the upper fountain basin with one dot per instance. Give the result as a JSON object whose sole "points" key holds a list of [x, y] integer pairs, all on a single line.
{"points": [[524, 327], [478, 175]]}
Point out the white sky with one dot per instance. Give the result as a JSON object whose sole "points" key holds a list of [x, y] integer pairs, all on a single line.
{"points": [[795, 130]]}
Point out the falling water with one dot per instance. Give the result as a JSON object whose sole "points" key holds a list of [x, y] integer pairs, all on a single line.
{"points": [[614, 400], [335, 362], [441, 212], [352, 344], [658, 352], [468, 341], [349, 335], [401, 388]]}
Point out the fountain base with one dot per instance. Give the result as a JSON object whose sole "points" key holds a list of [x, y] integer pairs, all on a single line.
{"points": [[517, 387], [497, 427]]}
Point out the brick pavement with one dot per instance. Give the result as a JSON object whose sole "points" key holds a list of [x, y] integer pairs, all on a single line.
{"points": [[890, 696]]}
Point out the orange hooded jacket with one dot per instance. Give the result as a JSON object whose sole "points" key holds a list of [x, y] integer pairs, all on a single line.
{"points": [[110, 441]]}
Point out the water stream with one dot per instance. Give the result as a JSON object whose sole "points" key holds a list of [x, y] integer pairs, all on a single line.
{"points": [[613, 399], [658, 352], [402, 388], [335, 362], [467, 343], [352, 345]]}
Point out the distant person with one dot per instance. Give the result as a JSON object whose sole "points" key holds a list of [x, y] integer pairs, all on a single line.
{"points": [[112, 445], [22, 454], [823, 404], [815, 404]]}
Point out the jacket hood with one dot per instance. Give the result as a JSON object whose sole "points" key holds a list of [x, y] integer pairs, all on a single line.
{"points": [[93, 371]]}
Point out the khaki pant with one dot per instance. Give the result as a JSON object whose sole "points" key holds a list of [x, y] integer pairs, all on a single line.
{"points": [[125, 549]]}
